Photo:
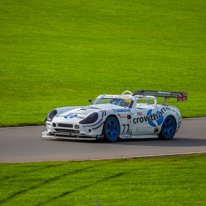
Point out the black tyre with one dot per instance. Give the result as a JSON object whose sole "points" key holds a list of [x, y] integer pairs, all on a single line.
{"points": [[168, 129], [111, 129]]}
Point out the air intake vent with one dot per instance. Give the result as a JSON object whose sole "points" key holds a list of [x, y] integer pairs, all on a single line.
{"points": [[65, 125], [66, 131]]}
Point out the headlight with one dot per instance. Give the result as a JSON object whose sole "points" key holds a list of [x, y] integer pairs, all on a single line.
{"points": [[52, 114], [90, 119]]}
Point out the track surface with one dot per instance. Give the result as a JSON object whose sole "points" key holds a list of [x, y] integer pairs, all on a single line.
{"points": [[24, 144]]}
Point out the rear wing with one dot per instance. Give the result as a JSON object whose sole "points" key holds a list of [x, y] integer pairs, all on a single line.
{"points": [[181, 96]]}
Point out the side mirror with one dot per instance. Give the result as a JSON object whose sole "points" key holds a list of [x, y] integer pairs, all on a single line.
{"points": [[89, 100]]}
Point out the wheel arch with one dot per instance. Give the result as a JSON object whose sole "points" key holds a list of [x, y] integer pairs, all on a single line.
{"points": [[165, 132], [170, 115], [111, 115]]}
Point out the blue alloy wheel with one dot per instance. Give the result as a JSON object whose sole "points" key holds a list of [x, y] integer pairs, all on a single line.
{"points": [[168, 128], [111, 129]]}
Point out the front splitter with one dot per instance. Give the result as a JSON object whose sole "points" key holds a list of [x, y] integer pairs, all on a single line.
{"points": [[45, 134]]}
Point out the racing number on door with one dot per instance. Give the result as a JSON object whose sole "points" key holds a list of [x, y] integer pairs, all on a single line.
{"points": [[125, 129]]}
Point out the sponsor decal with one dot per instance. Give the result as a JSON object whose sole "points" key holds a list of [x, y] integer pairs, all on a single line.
{"points": [[126, 136], [179, 124], [129, 121], [72, 115], [153, 119], [110, 96], [164, 92], [127, 100], [139, 113], [178, 114], [182, 97], [123, 116], [121, 110], [125, 129], [159, 118]]}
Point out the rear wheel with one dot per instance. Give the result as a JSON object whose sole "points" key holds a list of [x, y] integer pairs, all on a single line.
{"points": [[168, 129], [111, 129]]}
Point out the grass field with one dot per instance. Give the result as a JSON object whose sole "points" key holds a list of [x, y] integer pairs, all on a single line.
{"points": [[153, 181], [61, 53]]}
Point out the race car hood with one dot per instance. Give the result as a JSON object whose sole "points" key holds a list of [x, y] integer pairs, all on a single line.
{"points": [[78, 114]]}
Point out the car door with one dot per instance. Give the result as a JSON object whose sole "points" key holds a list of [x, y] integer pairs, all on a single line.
{"points": [[143, 120], [125, 119]]}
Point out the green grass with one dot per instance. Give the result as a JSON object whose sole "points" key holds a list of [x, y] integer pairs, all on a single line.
{"points": [[61, 53], [153, 181]]}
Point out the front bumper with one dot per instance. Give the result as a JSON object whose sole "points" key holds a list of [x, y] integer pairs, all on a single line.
{"points": [[46, 134], [72, 129]]}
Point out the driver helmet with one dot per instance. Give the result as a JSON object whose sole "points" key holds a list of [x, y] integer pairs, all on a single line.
{"points": [[116, 101], [125, 104]]}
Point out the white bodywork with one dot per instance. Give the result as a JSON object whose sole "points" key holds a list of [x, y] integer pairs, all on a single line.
{"points": [[142, 120]]}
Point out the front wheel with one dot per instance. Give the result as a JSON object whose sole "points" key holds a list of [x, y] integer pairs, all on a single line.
{"points": [[168, 129], [111, 129]]}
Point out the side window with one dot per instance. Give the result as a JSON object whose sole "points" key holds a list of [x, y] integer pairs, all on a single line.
{"points": [[145, 101], [141, 103]]}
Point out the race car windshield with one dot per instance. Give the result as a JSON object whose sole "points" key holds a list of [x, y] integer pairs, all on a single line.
{"points": [[114, 101]]}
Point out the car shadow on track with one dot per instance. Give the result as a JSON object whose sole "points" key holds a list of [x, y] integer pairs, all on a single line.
{"points": [[175, 142]]}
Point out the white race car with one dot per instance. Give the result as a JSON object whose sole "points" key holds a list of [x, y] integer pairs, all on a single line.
{"points": [[125, 116]]}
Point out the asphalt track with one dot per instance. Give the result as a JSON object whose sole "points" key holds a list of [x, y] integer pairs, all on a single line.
{"points": [[25, 144]]}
